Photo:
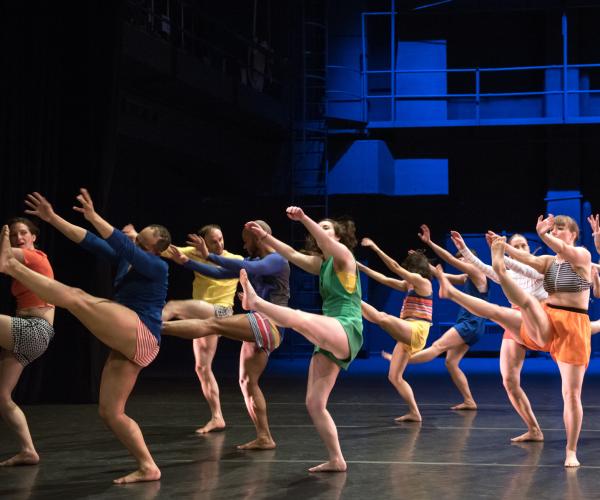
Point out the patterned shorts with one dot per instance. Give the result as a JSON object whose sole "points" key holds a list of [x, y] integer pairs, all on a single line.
{"points": [[266, 333], [146, 348], [222, 311], [31, 336]]}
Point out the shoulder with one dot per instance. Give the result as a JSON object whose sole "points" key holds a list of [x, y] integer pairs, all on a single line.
{"points": [[230, 255]]}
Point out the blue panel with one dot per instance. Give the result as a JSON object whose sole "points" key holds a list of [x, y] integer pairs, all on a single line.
{"points": [[565, 203], [421, 177]]}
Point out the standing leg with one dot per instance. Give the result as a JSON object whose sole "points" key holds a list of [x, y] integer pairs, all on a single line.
{"points": [[253, 362], [10, 371], [204, 353], [322, 375], [118, 378], [398, 364], [453, 357], [512, 355], [572, 381]]}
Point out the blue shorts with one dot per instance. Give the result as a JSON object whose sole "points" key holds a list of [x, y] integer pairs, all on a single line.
{"points": [[471, 330]]}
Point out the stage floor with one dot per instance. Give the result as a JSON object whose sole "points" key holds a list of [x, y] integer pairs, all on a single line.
{"points": [[450, 455]]}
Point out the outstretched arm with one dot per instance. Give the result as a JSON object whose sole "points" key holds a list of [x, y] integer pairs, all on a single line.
{"points": [[577, 256], [470, 258], [595, 281], [216, 272], [309, 263], [41, 207], [421, 285], [384, 280], [269, 265], [594, 221]]}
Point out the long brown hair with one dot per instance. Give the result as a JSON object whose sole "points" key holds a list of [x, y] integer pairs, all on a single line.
{"points": [[344, 229]]}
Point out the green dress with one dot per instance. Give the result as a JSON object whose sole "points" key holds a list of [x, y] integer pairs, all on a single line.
{"points": [[344, 306]]}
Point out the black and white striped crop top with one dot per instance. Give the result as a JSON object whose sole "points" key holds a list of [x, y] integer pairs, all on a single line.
{"points": [[560, 277]]}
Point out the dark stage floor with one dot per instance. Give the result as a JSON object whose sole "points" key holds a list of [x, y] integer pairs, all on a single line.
{"points": [[451, 455]]}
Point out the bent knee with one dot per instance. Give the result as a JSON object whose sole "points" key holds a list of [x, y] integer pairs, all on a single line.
{"points": [[511, 383], [108, 413], [315, 405]]}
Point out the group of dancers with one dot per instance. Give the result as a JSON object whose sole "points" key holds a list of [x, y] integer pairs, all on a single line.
{"points": [[549, 297]]}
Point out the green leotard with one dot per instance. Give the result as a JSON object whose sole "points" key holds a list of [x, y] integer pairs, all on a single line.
{"points": [[344, 306]]}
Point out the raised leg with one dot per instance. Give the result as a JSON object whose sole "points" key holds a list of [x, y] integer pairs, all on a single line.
{"points": [[323, 331], [398, 364], [449, 339], [10, 371], [454, 355], [399, 329], [572, 381], [512, 355], [253, 362], [185, 309], [118, 379], [204, 353], [322, 375]]}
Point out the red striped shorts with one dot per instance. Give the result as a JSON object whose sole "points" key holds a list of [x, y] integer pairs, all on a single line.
{"points": [[146, 347], [266, 334]]}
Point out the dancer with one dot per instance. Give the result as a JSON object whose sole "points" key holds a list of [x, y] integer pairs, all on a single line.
{"points": [[270, 273], [411, 329], [467, 330], [561, 325], [210, 298], [337, 334], [512, 353], [130, 326], [24, 337]]}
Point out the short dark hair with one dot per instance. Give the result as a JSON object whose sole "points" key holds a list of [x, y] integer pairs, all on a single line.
{"points": [[32, 226], [417, 262], [204, 230], [163, 235]]}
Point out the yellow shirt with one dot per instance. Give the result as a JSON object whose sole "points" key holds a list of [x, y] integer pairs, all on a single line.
{"points": [[212, 290]]}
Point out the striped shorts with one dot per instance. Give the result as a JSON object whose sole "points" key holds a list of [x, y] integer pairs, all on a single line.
{"points": [[266, 333], [146, 347], [31, 337]]}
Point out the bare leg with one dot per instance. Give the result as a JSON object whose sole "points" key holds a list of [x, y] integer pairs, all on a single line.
{"points": [[386, 355], [252, 364], [454, 355], [204, 353], [572, 381], [234, 327], [118, 378], [448, 340], [186, 309], [10, 371], [322, 375], [400, 359], [399, 329], [512, 355], [508, 318], [323, 331], [532, 314]]}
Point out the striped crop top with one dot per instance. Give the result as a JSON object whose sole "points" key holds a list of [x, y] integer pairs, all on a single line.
{"points": [[417, 306], [560, 277]]}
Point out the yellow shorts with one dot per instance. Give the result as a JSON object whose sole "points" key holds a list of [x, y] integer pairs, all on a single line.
{"points": [[418, 338]]}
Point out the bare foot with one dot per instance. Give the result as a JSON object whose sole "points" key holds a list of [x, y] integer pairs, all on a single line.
{"points": [[22, 458], [409, 417], [535, 435], [571, 459], [6, 254], [386, 355], [467, 405], [258, 444], [140, 475], [213, 425], [250, 297], [338, 465], [498, 248]]}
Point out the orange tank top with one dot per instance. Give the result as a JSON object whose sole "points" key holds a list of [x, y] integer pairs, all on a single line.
{"points": [[37, 261]]}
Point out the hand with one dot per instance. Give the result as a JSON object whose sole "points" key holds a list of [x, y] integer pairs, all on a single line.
{"points": [[594, 224], [425, 234], [368, 243], [87, 205], [199, 244], [490, 236], [39, 206], [543, 226], [295, 213], [256, 230], [175, 255], [129, 231], [458, 241]]}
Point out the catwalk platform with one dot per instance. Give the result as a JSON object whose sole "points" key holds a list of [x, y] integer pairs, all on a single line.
{"points": [[450, 455]]}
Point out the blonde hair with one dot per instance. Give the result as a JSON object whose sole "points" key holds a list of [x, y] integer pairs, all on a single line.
{"points": [[569, 222]]}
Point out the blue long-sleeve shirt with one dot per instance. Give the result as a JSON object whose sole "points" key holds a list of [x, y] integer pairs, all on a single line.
{"points": [[269, 275], [142, 278]]}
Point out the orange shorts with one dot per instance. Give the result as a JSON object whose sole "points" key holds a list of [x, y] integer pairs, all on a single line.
{"points": [[570, 335]]}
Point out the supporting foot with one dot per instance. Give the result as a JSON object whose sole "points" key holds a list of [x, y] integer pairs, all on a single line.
{"points": [[531, 435], [213, 425], [338, 465], [22, 458], [571, 459], [140, 475], [409, 417], [258, 444], [467, 405]]}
